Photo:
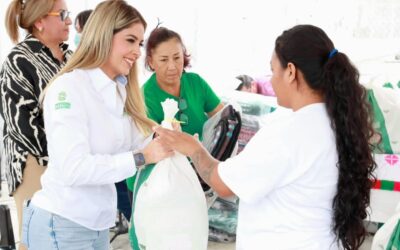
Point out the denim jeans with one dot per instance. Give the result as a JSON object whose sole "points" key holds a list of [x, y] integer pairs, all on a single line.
{"points": [[43, 230]]}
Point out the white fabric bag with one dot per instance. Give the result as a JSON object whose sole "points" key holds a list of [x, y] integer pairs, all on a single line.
{"points": [[382, 236], [170, 208]]}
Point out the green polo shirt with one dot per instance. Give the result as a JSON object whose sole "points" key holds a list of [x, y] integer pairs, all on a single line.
{"points": [[199, 96]]}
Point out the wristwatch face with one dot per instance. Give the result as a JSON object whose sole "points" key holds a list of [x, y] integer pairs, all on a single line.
{"points": [[139, 159]]}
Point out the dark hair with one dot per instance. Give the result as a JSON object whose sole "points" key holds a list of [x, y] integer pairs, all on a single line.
{"points": [[308, 48], [160, 35], [245, 81], [82, 18]]}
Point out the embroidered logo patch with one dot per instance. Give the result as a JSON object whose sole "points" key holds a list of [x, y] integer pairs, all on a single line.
{"points": [[62, 104], [62, 96]]}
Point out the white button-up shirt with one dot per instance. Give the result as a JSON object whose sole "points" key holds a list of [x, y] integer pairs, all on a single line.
{"points": [[90, 144]]}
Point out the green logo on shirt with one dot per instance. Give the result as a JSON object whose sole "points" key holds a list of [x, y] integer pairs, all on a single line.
{"points": [[62, 96], [62, 104]]}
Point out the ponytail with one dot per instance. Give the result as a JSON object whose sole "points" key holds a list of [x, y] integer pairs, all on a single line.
{"points": [[347, 107], [13, 16], [330, 73], [24, 14]]}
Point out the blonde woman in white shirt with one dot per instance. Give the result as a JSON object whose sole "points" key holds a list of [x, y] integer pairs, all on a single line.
{"points": [[97, 133]]}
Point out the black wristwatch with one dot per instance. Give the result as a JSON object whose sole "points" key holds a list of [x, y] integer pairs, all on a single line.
{"points": [[139, 159]]}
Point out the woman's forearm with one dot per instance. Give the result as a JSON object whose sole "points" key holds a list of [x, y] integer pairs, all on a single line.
{"points": [[207, 168]]}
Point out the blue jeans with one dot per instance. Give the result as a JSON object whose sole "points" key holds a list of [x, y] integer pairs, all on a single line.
{"points": [[42, 230]]}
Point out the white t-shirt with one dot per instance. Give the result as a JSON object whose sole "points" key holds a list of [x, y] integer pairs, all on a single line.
{"points": [[286, 180], [90, 143]]}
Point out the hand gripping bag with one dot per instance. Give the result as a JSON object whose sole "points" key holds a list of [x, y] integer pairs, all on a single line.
{"points": [[170, 210]]}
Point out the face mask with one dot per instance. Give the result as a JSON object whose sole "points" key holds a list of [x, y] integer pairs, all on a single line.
{"points": [[77, 39]]}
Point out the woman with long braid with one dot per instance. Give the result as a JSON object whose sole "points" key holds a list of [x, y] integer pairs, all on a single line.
{"points": [[303, 182]]}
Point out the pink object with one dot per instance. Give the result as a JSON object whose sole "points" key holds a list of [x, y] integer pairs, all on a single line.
{"points": [[264, 86], [391, 159]]}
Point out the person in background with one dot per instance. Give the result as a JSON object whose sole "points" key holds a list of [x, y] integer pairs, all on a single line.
{"points": [[306, 178], [246, 84], [264, 85], [27, 70], [98, 134], [79, 23], [260, 85]]}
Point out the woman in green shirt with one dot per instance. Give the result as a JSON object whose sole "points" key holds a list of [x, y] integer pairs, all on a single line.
{"points": [[167, 57]]}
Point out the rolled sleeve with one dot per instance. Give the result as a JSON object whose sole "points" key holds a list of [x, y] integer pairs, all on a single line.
{"points": [[126, 161]]}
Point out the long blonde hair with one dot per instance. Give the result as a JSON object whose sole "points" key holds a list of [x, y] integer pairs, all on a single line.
{"points": [[108, 18], [24, 14]]}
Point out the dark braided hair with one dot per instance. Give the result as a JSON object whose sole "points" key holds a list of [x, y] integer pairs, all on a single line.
{"points": [[332, 75]]}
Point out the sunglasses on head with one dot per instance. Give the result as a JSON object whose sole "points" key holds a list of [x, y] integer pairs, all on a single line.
{"points": [[63, 14], [182, 117]]}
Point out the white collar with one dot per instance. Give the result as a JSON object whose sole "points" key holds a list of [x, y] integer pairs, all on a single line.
{"points": [[107, 88]]}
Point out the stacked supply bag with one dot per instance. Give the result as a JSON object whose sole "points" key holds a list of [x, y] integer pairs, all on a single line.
{"points": [[169, 208], [384, 97], [220, 135], [253, 109]]}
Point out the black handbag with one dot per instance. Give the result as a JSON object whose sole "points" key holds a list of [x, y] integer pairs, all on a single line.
{"points": [[220, 135], [7, 241], [226, 133]]}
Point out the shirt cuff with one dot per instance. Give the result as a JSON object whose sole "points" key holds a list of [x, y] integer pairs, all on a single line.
{"points": [[126, 162]]}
